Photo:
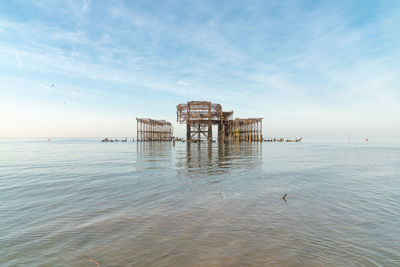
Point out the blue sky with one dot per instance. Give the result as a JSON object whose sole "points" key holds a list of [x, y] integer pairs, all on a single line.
{"points": [[310, 68]]}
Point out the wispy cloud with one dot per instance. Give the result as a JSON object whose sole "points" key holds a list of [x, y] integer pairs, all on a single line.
{"points": [[71, 37], [86, 5], [277, 57], [20, 64], [182, 83]]}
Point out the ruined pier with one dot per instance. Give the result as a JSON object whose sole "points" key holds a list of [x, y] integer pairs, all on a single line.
{"points": [[200, 116]]}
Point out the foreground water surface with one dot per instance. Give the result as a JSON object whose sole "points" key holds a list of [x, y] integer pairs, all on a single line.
{"points": [[65, 202]]}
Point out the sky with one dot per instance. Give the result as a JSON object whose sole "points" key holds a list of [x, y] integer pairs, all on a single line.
{"points": [[309, 68]]}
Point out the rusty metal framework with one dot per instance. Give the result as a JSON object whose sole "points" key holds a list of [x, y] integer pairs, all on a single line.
{"points": [[249, 130], [200, 116], [153, 130]]}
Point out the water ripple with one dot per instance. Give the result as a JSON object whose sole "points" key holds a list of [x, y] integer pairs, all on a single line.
{"points": [[154, 204]]}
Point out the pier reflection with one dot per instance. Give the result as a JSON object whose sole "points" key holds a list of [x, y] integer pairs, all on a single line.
{"points": [[214, 159], [153, 155], [199, 160]]}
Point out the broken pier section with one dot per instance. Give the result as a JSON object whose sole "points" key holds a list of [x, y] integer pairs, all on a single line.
{"points": [[153, 130]]}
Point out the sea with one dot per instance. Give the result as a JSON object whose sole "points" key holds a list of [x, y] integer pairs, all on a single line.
{"points": [[81, 202]]}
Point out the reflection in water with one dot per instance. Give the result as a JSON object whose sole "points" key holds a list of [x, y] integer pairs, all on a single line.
{"points": [[154, 204], [151, 154], [214, 159]]}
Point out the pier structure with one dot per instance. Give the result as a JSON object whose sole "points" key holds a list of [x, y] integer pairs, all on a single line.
{"points": [[200, 116], [249, 130], [153, 130], [224, 126]]}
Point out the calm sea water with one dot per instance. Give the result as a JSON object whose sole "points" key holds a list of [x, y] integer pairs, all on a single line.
{"points": [[153, 204]]}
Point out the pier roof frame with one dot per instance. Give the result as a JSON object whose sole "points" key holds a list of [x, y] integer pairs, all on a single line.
{"points": [[153, 122]]}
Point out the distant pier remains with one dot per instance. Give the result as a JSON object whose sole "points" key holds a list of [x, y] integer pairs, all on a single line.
{"points": [[153, 130]]}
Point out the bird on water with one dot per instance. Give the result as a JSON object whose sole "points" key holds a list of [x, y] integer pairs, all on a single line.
{"points": [[284, 197]]}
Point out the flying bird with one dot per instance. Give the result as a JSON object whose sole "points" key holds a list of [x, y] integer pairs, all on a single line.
{"points": [[284, 197]]}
